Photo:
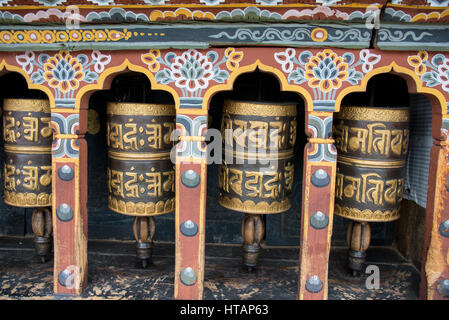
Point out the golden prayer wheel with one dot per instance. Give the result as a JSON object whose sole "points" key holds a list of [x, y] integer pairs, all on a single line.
{"points": [[28, 137], [256, 176], [141, 176], [372, 146]]}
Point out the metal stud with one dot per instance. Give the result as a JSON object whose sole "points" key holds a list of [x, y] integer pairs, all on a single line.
{"points": [[66, 173], [63, 276], [189, 228], [64, 212], [190, 179], [319, 220], [443, 288], [444, 229], [320, 179], [188, 276], [314, 284]]}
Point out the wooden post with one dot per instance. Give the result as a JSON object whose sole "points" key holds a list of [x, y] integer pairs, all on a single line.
{"points": [[318, 208], [191, 183], [435, 271], [69, 167]]}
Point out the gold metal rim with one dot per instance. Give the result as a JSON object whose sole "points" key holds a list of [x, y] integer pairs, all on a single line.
{"points": [[138, 156], [367, 215], [257, 156], [27, 149], [370, 163], [140, 109], [259, 109], [26, 105], [374, 114], [131, 208], [251, 207]]}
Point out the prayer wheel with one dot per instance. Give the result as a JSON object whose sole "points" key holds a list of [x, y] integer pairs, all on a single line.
{"points": [[372, 146], [27, 169], [256, 176], [141, 176]]}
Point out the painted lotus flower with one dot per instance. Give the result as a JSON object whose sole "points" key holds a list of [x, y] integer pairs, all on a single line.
{"points": [[326, 71], [192, 70], [63, 71]]}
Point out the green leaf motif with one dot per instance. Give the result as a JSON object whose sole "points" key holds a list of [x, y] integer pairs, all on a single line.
{"points": [[90, 77], [430, 78], [37, 77], [164, 76], [354, 77], [221, 76], [297, 76]]}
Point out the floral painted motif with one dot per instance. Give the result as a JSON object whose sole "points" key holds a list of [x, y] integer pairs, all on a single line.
{"points": [[433, 72], [418, 62], [326, 71], [63, 72], [192, 70], [50, 2], [102, 2]]}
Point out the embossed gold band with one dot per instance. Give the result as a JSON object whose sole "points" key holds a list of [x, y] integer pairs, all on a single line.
{"points": [[261, 156], [138, 156], [371, 163], [250, 206], [26, 105], [27, 149], [140, 109], [374, 114], [367, 214], [259, 109], [141, 208]]}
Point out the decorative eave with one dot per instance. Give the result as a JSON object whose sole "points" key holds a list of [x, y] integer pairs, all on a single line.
{"points": [[202, 35]]}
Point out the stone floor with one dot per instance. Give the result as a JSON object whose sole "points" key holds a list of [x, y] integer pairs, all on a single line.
{"points": [[113, 274]]}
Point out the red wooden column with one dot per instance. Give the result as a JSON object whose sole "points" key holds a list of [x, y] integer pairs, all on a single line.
{"points": [[69, 178], [318, 207], [435, 269], [191, 182]]}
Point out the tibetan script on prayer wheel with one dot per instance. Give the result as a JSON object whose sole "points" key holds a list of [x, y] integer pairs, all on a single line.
{"points": [[372, 146], [28, 137], [141, 176], [257, 171]]}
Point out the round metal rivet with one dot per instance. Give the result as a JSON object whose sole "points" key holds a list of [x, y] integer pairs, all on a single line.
{"points": [[63, 276], [64, 212], [319, 220], [314, 284], [444, 229], [66, 173], [189, 228], [190, 179], [443, 288], [188, 276], [320, 178]]}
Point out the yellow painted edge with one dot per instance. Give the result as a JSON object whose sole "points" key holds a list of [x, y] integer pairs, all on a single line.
{"points": [[285, 86], [398, 69]]}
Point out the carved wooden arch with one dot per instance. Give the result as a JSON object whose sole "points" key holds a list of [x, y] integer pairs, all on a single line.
{"points": [[104, 83], [278, 74], [6, 68], [414, 85]]}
